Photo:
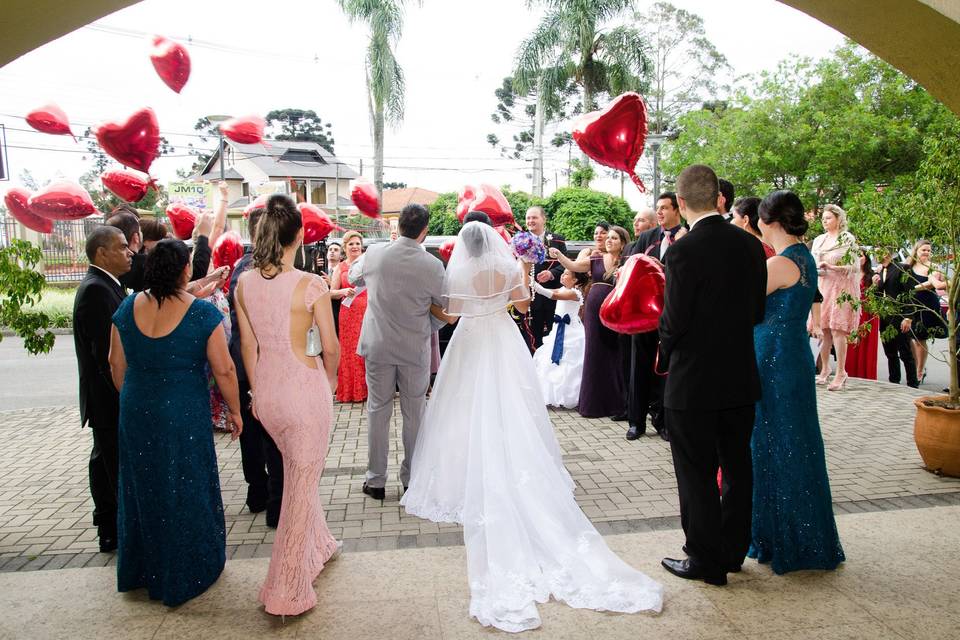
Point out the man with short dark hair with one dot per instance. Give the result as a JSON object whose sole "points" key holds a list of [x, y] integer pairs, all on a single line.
{"points": [[402, 281], [725, 205], [98, 297], [129, 224], [716, 289]]}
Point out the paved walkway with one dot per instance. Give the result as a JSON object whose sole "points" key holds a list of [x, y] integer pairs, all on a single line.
{"points": [[624, 487]]}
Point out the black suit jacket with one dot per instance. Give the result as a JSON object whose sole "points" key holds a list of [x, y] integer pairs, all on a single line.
{"points": [[647, 242], [93, 307], [553, 266], [716, 292], [133, 279]]}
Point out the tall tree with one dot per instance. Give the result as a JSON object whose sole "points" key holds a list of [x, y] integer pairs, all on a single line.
{"points": [[686, 64], [385, 83], [302, 125], [578, 40], [518, 111]]}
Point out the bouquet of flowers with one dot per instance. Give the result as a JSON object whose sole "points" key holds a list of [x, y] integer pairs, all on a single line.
{"points": [[529, 247]]}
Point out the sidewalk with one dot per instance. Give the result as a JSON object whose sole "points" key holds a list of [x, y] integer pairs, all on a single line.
{"points": [[901, 581]]}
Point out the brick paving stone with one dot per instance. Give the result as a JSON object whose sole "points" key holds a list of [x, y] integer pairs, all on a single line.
{"points": [[45, 507]]}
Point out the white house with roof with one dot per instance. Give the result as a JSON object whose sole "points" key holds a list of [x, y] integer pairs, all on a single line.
{"points": [[305, 170]]}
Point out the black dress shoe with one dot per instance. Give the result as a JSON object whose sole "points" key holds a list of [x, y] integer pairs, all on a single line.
{"points": [[377, 493], [663, 435], [273, 519], [108, 544], [634, 432], [619, 418], [689, 571]]}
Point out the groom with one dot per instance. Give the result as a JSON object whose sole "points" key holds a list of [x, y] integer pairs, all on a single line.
{"points": [[715, 294], [402, 282]]}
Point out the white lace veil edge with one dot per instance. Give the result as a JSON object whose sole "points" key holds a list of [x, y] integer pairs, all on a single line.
{"points": [[483, 275]]}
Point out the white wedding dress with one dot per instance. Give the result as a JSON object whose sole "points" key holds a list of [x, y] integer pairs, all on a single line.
{"points": [[560, 382], [487, 457]]}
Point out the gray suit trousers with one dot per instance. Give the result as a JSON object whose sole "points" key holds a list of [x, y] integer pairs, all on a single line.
{"points": [[382, 381]]}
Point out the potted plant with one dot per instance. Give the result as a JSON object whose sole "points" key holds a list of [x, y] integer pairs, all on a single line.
{"points": [[926, 205]]}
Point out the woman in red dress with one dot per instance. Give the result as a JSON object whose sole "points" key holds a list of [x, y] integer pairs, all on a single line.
{"points": [[862, 354], [352, 376]]}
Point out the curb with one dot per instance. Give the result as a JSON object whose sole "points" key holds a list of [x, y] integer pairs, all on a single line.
{"points": [[65, 331]]}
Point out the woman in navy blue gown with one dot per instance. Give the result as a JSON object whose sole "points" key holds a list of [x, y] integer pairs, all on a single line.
{"points": [[171, 534], [793, 526]]}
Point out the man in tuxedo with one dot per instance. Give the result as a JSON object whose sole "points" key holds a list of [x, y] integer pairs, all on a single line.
{"points": [[893, 283], [727, 195], [645, 388], [715, 294], [98, 296], [547, 273]]}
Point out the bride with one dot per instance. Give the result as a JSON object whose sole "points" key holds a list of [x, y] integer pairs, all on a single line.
{"points": [[487, 457]]}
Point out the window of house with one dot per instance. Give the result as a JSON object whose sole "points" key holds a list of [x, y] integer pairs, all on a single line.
{"points": [[318, 191], [299, 190], [245, 189]]}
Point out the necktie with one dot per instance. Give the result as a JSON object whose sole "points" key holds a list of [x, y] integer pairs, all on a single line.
{"points": [[665, 242]]}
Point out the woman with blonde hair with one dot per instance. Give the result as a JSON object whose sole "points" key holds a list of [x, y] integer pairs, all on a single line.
{"points": [[835, 252], [352, 379], [925, 319]]}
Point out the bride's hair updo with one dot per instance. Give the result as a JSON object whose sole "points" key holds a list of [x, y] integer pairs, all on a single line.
{"points": [[786, 209], [278, 227], [473, 238]]}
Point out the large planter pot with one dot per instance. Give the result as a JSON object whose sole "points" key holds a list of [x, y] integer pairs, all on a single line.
{"points": [[936, 431]]}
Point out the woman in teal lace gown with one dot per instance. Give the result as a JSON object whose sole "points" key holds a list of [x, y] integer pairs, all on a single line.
{"points": [[170, 514], [793, 525]]}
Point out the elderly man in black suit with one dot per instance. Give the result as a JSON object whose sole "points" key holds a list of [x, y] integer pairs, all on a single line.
{"points": [[715, 294], [98, 296]]}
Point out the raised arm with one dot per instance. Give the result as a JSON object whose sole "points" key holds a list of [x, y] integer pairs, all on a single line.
{"points": [[580, 265], [219, 212]]}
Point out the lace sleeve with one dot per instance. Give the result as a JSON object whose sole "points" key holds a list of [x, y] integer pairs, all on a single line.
{"points": [[579, 295], [316, 289]]}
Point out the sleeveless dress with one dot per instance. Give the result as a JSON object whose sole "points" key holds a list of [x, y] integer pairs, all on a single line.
{"points": [[295, 406], [560, 382], [602, 391], [171, 535], [793, 526], [352, 375], [835, 315], [927, 321], [487, 457]]}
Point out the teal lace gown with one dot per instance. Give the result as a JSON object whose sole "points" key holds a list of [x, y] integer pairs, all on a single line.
{"points": [[171, 535], [793, 524]]}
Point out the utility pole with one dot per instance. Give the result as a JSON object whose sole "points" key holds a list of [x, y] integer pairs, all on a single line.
{"points": [[538, 142]]}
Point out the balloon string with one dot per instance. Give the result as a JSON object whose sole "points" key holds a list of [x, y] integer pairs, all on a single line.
{"points": [[637, 181]]}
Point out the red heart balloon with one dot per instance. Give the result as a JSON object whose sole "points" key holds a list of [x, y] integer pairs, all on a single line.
{"points": [[636, 302], [227, 249], [446, 250], [259, 203], [317, 225], [134, 143], [126, 184], [488, 199], [615, 136], [50, 119], [502, 231], [364, 196], [182, 219], [171, 61], [18, 204], [245, 130], [62, 200]]}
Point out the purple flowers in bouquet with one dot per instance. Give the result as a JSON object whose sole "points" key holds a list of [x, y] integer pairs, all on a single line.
{"points": [[529, 247]]}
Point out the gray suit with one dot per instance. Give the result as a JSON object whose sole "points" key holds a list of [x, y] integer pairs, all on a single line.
{"points": [[402, 281]]}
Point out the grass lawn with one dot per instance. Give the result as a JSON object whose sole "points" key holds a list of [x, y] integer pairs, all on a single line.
{"points": [[58, 304]]}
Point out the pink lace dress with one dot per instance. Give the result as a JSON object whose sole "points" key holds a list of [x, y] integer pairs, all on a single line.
{"points": [[295, 405], [835, 315]]}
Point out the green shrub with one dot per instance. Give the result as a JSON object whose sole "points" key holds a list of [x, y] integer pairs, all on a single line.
{"points": [[575, 212]]}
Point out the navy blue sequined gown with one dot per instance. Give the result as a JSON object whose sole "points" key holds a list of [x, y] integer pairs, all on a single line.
{"points": [[793, 524], [171, 533]]}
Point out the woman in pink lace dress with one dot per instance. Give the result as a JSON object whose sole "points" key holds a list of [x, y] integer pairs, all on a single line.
{"points": [[835, 252], [292, 395]]}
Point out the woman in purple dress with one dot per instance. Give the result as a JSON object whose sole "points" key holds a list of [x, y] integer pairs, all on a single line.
{"points": [[602, 390]]}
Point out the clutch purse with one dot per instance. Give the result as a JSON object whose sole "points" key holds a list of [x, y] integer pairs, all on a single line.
{"points": [[314, 348]]}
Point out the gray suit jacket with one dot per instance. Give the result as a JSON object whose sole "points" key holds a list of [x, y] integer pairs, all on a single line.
{"points": [[402, 281]]}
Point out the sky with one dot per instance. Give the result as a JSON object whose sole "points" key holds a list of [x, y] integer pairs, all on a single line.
{"points": [[305, 54]]}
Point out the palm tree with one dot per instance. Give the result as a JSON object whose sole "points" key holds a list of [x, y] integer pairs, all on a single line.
{"points": [[573, 43], [385, 84]]}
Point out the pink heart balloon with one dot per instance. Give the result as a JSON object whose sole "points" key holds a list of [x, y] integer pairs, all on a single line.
{"points": [[364, 196], [50, 119], [615, 136], [317, 225], [62, 200], [126, 184], [171, 61], [245, 130], [17, 201], [183, 219], [636, 302], [134, 143], [488, 199], [464, 200]]}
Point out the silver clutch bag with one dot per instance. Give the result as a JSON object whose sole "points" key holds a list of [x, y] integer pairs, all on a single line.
{"points": [[314, 348]]}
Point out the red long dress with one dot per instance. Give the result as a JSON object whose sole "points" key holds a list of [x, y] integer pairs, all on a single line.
{"points": [[352, 375], [862, 355]]}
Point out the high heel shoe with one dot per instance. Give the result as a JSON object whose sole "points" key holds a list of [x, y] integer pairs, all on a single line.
{"points": [[839, 381], [823, 377]]}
